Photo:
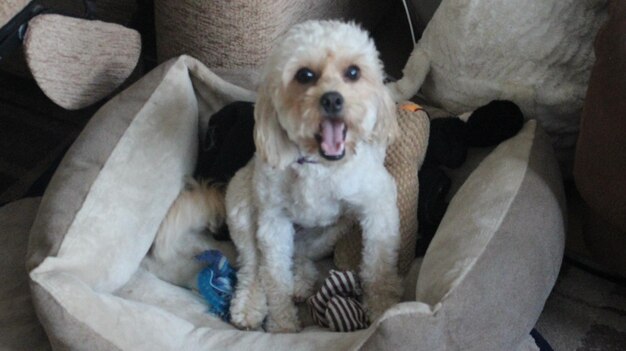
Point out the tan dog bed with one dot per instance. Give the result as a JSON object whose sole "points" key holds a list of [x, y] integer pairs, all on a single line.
{"points": [[481, 286]]}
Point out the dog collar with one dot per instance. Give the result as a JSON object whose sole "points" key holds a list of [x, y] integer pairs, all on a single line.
{"points": [[303, 159]]}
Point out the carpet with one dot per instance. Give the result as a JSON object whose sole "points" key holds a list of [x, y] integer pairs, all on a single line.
{"points": [[586, 311]]}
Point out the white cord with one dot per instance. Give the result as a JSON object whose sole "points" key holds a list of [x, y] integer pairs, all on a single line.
{"points": [[408, 18]]}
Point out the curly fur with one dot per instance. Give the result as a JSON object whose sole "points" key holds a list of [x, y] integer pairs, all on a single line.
{"points": [[289, 205]]}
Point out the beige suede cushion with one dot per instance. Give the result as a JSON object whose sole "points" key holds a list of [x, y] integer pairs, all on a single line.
{"points": [[482, 284], [403, 161], [538, 55], [77, 62]]}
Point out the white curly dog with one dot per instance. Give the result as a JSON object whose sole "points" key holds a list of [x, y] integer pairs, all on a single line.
{"points": [[323, 121]]}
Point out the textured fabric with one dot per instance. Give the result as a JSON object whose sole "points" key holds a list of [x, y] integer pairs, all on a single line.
{"points": [[336, 304], [600, 168], [233, 38], [487, 274], [10, 8], [404, 158], [103, 207], [20, 328], [116, 11], [216, 282], [518, 205], [78, 62], [538, 55]]}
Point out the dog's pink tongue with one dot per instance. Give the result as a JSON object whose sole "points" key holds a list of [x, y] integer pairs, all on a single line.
{"points": [[333, 137]]}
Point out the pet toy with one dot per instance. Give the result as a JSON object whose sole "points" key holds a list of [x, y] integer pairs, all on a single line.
{"points": [[449, 140], [216, 282], [337, 304]]}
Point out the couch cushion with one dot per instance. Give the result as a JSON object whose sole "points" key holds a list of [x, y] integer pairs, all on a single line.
{"points": [[77, 62], [538, 56]]}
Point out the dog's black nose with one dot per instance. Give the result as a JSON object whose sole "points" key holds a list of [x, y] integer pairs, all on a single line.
{"points": [[332, 103]]}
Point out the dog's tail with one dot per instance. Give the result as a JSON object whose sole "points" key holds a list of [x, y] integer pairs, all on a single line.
{"points": [[199, 206], [182, 234]]}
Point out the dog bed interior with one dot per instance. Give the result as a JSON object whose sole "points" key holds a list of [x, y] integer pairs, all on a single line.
{"points": [[481, 285]]}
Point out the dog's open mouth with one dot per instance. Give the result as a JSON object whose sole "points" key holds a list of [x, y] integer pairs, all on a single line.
{"points": [[332, 139]]}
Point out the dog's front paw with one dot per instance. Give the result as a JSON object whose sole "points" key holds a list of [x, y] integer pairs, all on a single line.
{"points": [[381, 296], [248, 308], [284, 320]]}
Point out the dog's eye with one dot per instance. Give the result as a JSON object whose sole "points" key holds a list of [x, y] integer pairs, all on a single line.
{"points": [[305, 76], [353, 73]]}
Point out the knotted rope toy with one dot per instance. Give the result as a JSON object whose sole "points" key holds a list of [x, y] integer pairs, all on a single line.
{"points": [[337, 304], [216, 282]]}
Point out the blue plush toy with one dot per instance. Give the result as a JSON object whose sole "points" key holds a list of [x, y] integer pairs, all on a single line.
{"points": [[216, 282]]}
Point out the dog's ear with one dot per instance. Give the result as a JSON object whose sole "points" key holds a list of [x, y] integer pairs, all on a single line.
{"points": [[386, 128], [272, 143]]}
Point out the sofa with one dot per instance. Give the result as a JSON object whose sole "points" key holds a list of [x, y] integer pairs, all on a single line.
{"points": [[481, 285]]}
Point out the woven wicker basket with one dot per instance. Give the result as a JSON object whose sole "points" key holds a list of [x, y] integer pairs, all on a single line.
{"points": [[404, 158]]}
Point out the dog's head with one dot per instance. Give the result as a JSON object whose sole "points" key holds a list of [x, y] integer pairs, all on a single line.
{"points": [[322, 93]]}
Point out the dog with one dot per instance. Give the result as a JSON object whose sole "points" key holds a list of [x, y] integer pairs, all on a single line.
{"points": [[323, 121]]}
